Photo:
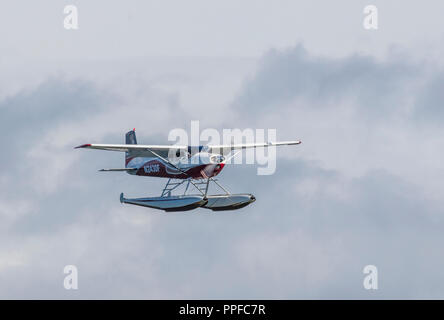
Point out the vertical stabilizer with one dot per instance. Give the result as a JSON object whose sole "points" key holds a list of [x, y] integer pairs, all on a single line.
{"points": [[130, 138]]}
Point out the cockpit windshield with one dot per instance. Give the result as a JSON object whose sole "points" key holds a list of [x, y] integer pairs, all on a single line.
{"points": [[217, 158]]}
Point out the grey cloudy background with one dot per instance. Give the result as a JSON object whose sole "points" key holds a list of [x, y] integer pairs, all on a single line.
{"points": [[365, 187]]}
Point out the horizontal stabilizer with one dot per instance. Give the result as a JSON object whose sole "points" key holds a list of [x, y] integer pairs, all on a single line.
{"points": [[117, 170]]}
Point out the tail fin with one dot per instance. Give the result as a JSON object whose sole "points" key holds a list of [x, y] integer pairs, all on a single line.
{"points": [[130, 138]]}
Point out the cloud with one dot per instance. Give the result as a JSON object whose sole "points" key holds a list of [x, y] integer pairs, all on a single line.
{"points": [[354, 193], [293, 73], [32, 113]]}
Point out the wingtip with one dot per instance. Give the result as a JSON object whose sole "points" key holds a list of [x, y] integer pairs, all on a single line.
{"points": [[83, 146]]}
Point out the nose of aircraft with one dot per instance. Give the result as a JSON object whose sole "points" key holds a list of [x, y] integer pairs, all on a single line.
{"points": [[213, 169], [218, 168]]}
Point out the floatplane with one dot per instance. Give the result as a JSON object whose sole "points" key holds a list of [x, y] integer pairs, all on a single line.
{"points": [[193, 167]]}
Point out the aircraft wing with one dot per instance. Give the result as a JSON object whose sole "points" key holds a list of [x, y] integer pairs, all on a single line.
{"points": [[136, 149], [225, 149], [163, 150]]}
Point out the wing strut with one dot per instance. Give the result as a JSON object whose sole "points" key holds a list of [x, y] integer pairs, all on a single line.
{"points": [[179, 169]]}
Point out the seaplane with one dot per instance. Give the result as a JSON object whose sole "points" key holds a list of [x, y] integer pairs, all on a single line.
{"points": [[188, 167]]}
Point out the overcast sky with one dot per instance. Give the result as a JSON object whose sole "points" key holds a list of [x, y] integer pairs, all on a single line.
{"points": [[365, 187]]}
